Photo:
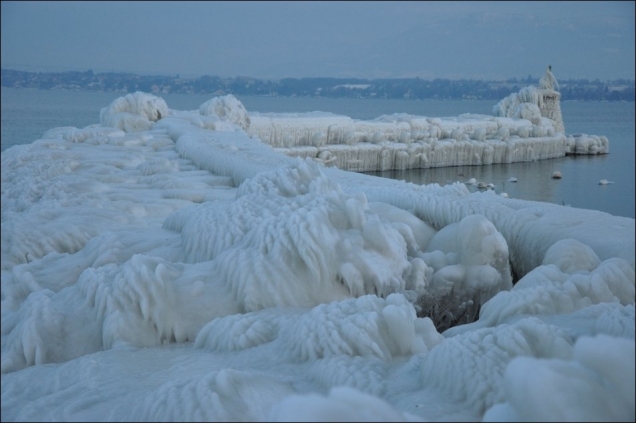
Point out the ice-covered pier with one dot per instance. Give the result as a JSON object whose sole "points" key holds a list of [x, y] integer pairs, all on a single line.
{"points": [[525, 126], [234, 283]]}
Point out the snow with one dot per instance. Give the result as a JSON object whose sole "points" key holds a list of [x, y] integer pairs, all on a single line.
{"points": [[174, 265]]}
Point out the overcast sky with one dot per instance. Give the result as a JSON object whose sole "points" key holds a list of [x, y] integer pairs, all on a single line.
{"points": [[480, 40]]}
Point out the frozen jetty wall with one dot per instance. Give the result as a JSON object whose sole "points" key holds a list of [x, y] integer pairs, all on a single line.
{"points": [[525, 126]]}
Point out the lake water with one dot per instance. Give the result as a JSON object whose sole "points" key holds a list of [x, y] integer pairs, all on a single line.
{"points": [[27, 114]]}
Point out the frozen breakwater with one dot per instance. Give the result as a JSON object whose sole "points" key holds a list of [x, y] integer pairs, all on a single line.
{"points": [[403, 141], [164, 265], [414, 142], [525, 126]]}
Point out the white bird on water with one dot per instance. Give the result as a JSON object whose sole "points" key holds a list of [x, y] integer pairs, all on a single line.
{"points": [[605, 182], [512, 179], [556, 175]]}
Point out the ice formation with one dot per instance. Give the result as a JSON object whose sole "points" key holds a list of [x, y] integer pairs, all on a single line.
{"points": [[134, 112], [168, 265], [525, 126]]}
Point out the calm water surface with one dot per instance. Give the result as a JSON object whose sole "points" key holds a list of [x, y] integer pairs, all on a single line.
{"points": [[27, 114]]}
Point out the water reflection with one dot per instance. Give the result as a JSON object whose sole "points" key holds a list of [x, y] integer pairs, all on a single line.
{"points": [[534, 181]]}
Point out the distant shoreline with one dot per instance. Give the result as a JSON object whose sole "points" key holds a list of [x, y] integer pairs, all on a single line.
{"points": [[75, 90], [412, 88]]}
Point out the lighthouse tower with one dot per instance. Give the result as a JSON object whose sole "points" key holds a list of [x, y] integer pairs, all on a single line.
{"points": [[550, 105]]}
